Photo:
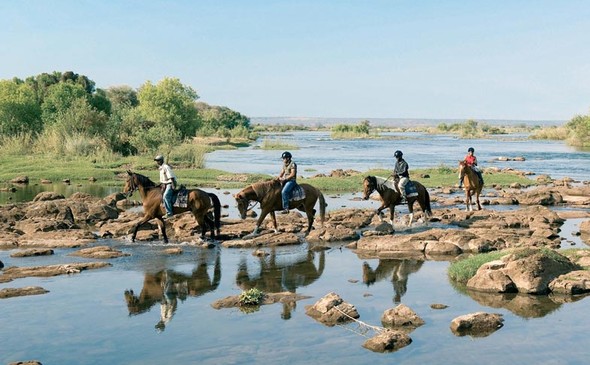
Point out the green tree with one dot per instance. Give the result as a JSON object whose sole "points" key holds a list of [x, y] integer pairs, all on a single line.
{"points": [[169, 101], [579, 131], [19, 111], [122, 96], [221, 121], [59, 99]]}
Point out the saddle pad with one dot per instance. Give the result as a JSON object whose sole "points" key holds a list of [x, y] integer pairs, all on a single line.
{"points": [[181, 198], [297, 193], [411, 190]]}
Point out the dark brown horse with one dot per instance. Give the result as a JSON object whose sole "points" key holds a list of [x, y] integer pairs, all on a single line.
{"points": [[471, 184], [268, 194], [390, 197], [198, 202]]}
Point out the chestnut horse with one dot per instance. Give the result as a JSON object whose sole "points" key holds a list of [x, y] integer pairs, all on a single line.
{"points": [[268, 194], [471, 184], [198, 202], [390, 197]]}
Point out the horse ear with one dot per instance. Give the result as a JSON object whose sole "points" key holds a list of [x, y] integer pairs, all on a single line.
{"points": [[129, 172], [237, 196]]}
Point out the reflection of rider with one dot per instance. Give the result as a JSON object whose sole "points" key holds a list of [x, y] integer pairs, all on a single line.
{"points": [[401, 171], [399, 271], [168, 180], [471, 162], [288, 175]]}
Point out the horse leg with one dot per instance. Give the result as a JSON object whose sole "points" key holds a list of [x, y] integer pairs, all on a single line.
{"points": [[139, 224], [411, 210], [310, 217], [162, 227], [391, 214], [467, 201], [263, 214], [273, 216], [211, 224], [379, 212], [477, 200]]}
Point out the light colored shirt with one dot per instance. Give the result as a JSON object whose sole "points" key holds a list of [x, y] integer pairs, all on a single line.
{"points": [[166, 174]]}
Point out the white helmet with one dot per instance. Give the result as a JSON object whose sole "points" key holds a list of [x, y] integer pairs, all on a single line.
{"points": [[159, 158]]}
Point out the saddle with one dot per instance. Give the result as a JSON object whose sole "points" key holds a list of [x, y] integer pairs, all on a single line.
{"points": [[411, 190], [180, 197], [297, 193]]}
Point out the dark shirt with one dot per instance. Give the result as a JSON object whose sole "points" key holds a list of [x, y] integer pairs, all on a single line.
{"points": [[401, 168]]}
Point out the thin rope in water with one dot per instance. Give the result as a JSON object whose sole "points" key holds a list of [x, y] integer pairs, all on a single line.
{"points": [[365, 327]]}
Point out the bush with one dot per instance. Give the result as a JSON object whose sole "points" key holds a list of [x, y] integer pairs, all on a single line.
{"points": [[189, 155], [579, 129], [251, 297], [19, 144]]}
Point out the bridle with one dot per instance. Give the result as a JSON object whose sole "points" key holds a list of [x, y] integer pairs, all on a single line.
{"points": [[132, 186]]}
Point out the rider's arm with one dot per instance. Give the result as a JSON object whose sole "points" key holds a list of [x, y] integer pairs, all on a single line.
{"points": [[475, 160], [293, 173]]}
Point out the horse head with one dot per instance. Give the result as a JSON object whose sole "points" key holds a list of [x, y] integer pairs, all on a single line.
{"points": [[462, 168], [130, 184], [242, 203], [369, 186]]}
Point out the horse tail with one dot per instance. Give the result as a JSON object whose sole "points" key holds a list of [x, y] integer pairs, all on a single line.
{"points": [[322, 206], [216, 211], [428, 211]]}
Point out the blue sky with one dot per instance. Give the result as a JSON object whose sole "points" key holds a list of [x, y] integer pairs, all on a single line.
{"points": [[524, 60]]}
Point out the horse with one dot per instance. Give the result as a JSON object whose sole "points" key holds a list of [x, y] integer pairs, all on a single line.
{"points": [[390, 197], [268, 194], [199, 203], [471, 184]]}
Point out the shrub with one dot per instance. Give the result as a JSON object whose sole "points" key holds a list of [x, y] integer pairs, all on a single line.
{"points": [[251, 297]]}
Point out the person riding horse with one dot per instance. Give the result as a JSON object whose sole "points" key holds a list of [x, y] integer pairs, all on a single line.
{"points": [[471, 162], [288, 177], [401, 172], [168, 181]]}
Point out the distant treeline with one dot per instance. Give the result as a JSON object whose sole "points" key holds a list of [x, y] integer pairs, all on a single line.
{"points": [[49, 108]]}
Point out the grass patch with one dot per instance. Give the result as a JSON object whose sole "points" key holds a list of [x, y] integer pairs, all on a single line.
{"points": [[277, 144], [551, 133], [463, 270]]}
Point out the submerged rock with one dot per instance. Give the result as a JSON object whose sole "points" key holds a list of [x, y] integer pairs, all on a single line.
{"points": [[20, 292], [478, 324], [332, 310], [388, 340]]}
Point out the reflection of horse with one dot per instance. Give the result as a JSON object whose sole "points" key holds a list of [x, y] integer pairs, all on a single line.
{"points": [[279, 274], [268, 194], [198, 202], [471, 183], [399, 271], [167, 286], [390, 197]]}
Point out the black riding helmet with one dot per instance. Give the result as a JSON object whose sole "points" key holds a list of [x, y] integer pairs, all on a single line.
{"points": [[471, 149], [286, 154], [398, 154]]}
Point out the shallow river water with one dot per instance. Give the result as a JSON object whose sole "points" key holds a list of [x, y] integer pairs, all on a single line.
{"points": [[86, 319]]}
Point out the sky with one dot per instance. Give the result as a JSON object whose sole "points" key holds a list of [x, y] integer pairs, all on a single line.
{"points": [[430, 59]]}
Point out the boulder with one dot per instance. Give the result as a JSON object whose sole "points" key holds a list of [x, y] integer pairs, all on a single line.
{"points": [[99, 252], [332, 310], [387, 341], [402, 317], [20, 292], [47, 195], [574, 282], [478, 324], [32, 252]]}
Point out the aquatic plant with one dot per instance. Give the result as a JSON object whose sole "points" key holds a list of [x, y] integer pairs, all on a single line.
{"points": [[251, 297]]}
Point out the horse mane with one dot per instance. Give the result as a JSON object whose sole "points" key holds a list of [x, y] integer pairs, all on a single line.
{"points": [[384, 181], [144, 180], [263, 188]]}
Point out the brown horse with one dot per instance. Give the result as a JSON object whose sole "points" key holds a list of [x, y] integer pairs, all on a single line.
{"points": [[268, 194], [390, 197], [198, 202], [471, 184]]}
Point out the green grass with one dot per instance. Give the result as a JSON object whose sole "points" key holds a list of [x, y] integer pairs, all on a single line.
{"points": [[463, 270], [79, 169], [277, 144]]}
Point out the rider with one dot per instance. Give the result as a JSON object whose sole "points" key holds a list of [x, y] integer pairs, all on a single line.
{"points": [[401, 171], [471, 162], [168, 180], [289, 176]]}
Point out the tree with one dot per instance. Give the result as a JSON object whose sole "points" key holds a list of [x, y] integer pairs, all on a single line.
{"points": [[19, 111], [579, 130], [122, 96], [59, 98], [221, 120], [169, 101]]}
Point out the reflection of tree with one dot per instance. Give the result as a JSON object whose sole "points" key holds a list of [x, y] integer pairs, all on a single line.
{"points": [[397, 269], [167, 286], [523, 305], [275, 277]]}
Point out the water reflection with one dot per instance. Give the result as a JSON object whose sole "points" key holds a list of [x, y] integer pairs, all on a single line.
{"points": [[522, 305], [277, 273], [396, 270], [166, 287]]}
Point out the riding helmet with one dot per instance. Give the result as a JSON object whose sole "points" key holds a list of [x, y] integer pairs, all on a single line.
{"points": [[159, 158], [286, 154], [471, 149], [398, 154]]}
